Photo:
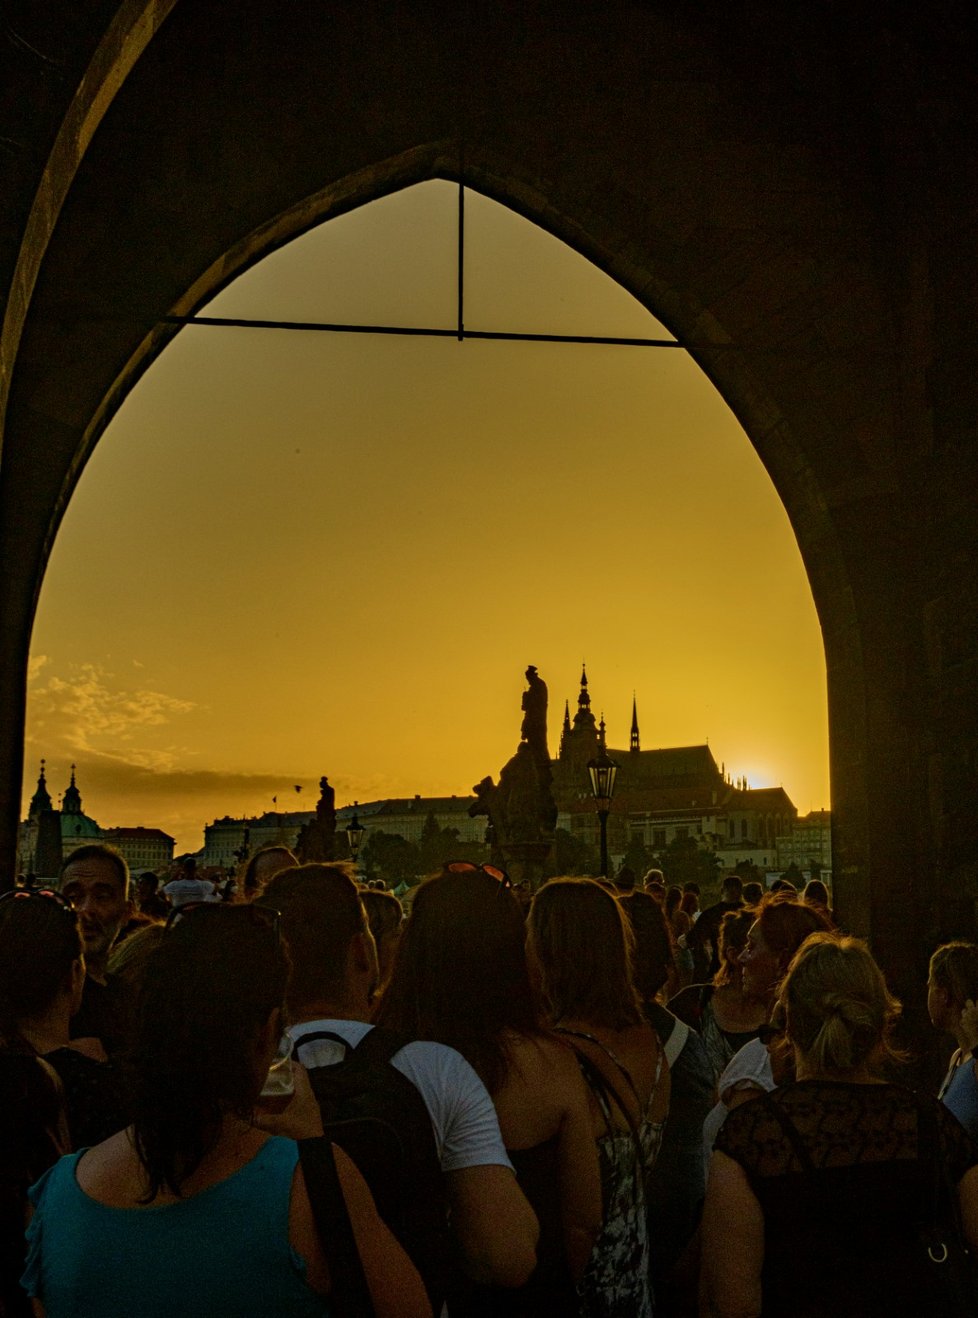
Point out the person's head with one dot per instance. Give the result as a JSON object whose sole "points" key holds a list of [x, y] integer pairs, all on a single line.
{"points": [[837, 1011], [625, 879], [584, 948], [41, 959], [653, 876], [673, 899], [146, 886], [816, 894], [690, 904], [781, 925], [733, 889], [653, 955], [784, 886], [385, 916], [95, 880], [334, 959], [460, 975], [208, 1023], [656, 890], [952, 980], [752, 893], [129, 958], [262, 867], [732, 939]]}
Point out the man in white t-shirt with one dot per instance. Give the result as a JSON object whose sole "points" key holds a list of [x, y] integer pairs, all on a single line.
{"points": [[334, 974], [187, 887]]}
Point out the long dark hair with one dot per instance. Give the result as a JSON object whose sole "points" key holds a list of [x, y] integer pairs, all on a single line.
{"points": [[585, 949], [460, 977], [39, 942], [208, 990]]}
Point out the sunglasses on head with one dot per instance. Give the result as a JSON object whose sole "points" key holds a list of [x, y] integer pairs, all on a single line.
{"points": [[468, 867], [28, 894], [254, 912]]}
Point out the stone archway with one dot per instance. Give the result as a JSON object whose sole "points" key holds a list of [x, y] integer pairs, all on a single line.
{"points": [[793, 229]]}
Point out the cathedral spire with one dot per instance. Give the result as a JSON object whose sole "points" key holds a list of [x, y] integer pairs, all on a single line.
{"points": [[41, 800], [633, 744], [602, 742], [584, 700], [565, 730]]}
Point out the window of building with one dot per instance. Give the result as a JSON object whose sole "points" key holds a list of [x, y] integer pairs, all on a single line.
{"points": [[682, 832], [658, 838], [743, 830]]}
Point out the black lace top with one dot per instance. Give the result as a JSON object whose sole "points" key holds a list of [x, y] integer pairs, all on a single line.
{"points": [[841, 1238]]}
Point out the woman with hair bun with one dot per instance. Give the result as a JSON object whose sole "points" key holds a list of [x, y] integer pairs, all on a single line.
{"points": [[818, 1192]]}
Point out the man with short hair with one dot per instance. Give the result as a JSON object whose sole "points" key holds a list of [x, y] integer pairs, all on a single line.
{"points": [[334, 975], [95, 880], [703, 940]]}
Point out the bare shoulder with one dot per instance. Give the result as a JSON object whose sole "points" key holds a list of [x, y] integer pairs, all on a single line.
{"points": [[111, 1172], [546, 1059]]}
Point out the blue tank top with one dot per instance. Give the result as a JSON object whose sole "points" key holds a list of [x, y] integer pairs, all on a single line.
{"points": [[222, 1253]]}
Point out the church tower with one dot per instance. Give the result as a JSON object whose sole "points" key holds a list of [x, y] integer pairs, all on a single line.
{"points": [[565, 730], [71, 801], [41, 800], [633, 744]]}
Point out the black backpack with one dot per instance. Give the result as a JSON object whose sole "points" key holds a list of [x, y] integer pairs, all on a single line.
{"points": [[377, 1116]]}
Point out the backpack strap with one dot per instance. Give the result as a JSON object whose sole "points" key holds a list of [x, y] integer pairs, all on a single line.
{"points": [[380, 1044], [377, 1045], [349, 1294]]}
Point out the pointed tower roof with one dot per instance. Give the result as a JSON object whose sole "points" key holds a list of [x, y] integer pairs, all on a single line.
{"points": [[71, 801], [584, 719], [634, 744], [565, 730], [602, 741], [41, 800]]}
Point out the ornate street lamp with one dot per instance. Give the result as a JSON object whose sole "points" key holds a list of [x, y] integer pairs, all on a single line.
{"points": [[603, 771], [354, 835]]}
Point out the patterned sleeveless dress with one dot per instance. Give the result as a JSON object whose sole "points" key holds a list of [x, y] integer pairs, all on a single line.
{"points": [[616, 1282]]}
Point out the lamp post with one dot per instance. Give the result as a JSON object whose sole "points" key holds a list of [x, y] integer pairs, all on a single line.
{"points": [[603, 771], [354, 836]]}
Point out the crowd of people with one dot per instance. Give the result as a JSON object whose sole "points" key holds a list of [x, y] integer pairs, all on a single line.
{"points": [[289, 1097]]}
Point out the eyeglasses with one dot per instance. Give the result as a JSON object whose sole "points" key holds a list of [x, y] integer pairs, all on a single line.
{"points": [[28, 894], [468, 867], [254, 912]]}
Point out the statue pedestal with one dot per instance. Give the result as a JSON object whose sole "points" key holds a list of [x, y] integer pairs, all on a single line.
{"points": [[525, 861]]}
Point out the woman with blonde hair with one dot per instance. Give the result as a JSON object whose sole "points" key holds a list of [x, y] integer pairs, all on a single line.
{"points": [[819, 1192], [580, 947]]}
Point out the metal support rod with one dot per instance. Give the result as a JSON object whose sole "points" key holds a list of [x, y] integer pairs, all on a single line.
{"points": [[603, 821], [461, 261], [323, 327]]}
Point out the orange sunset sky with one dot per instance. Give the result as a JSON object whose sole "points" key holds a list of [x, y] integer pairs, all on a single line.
{"points": [[296, 554]]}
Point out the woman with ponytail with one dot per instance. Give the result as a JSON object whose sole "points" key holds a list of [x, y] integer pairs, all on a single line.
{"points": [[818, 1192]]}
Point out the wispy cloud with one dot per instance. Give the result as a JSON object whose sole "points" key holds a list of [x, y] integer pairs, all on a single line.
{"points": [[88, 712]]}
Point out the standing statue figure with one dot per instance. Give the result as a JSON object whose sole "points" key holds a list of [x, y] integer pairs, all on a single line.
{"points": [[316, 840], [534, 705], [521, 808]]}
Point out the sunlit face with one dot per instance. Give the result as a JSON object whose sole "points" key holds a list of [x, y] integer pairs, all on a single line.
{"points": [[761, 965], [97, 893]]}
